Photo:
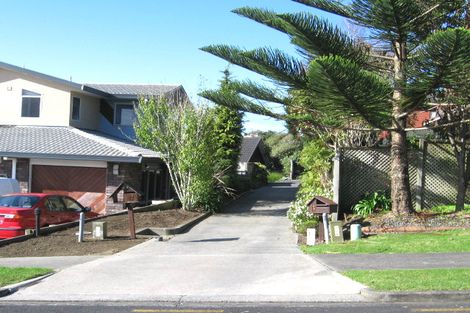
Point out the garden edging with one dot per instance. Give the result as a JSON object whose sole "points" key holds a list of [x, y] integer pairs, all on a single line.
{"points": [[167, 231], [415, 296]]}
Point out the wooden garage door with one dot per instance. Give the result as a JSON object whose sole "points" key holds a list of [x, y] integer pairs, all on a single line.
{"points": [[85, 184]]}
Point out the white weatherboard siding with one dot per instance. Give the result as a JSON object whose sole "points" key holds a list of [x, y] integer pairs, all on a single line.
{"points": [[89, 111], [54, 107]]}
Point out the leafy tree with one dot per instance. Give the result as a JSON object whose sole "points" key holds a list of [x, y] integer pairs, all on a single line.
{"points": [[339, 80], [228, 125], [184, 135], [282, 148]]}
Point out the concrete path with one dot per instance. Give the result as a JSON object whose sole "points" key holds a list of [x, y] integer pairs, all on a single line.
{"points": [[341, 262], [54, 262], [247, 253]]}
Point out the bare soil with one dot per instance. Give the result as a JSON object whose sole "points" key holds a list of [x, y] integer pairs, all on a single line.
{"points": [[65, 243], [423, 221]]}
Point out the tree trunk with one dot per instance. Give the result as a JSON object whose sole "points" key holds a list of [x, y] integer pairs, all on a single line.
{"points": [[400, 182], [462, 163]]}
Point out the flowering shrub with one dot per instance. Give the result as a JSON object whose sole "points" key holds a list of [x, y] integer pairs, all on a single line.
{"points": [[315, 158], [300, 216]]}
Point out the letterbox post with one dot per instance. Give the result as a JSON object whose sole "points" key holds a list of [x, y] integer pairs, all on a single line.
{"points": [[37, 215], [130, 213], [322, 206]]}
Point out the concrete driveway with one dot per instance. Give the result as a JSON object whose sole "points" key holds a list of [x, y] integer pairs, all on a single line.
{"points": [[246, 253]]}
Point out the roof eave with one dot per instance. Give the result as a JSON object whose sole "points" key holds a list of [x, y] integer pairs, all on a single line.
{"points": [[133, 159]]}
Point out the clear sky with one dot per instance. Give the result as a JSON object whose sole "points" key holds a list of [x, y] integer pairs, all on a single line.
{"points": [[136, 41]]}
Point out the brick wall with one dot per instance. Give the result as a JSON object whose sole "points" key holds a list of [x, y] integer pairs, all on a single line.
{"points": [[128, 172]]}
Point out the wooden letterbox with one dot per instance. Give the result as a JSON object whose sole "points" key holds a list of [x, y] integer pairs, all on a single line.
{"points": [[319, 205], [131, 196]]}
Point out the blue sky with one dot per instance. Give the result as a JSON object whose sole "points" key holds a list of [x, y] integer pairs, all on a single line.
{"points": [[136, 41]]}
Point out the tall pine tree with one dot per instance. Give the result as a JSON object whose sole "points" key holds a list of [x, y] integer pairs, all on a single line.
{"points": [[338, 77], [228, 129]]}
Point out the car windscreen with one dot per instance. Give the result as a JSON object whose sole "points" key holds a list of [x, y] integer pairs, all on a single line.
{"points": [[18, 201]]}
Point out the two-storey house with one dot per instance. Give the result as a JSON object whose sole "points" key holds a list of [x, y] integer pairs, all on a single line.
{"points": [[77, 139]]}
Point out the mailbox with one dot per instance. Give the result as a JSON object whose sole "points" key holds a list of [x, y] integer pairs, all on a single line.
{"points": [[319, 205], [130, 194]]}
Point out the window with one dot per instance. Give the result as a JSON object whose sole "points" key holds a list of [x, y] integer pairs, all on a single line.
{"points": [[55, 204], [30, 104], [18, 201], [71, 205], [125, 114], [75, 108]]}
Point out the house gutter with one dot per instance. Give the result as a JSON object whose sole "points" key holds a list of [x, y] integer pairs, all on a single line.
{"points": [[14, 156]]}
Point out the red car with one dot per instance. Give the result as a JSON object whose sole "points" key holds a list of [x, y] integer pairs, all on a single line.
{"points": [[17, 212]]}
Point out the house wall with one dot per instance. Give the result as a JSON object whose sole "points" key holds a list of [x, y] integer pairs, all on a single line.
{"points": [[89, 111], [54, 107], [128, 172], [22, 172]]}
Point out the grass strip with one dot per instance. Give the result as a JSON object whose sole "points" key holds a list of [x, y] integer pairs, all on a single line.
{"points": [[12, 275], [439, 241], [413, 280]]}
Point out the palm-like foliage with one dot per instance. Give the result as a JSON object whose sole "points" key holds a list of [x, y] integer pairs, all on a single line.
{"points": [[337, 76]]}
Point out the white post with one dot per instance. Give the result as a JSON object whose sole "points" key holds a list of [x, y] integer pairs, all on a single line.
{"points": [[325, 228], [80, 227], [13, 168], [336, 175]]}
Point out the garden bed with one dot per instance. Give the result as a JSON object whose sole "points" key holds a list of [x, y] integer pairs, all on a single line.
{"points": [[418, 222], [64, 243]]}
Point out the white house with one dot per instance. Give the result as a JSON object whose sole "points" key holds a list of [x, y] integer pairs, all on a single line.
{"points": [[76, 139]]}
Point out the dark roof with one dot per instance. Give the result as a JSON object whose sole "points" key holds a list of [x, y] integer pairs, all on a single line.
{"points": [[63, 142], [248, 148], [133, 91]]}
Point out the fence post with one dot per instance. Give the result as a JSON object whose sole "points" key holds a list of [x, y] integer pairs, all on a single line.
{"points": [[420, 174], [336, 176]]}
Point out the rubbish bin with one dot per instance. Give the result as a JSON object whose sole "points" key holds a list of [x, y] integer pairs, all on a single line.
{"points": [[356, 231]]}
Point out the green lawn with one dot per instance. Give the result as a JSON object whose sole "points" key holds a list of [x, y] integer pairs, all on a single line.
{"points": [[11, 275], [413, 280], [440, 241]]}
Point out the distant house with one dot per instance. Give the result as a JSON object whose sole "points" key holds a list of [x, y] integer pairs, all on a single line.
{"points": [[77, 139], [252, 151]]}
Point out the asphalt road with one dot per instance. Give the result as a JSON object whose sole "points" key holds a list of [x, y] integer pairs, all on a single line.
{"points": [[100, 307]]}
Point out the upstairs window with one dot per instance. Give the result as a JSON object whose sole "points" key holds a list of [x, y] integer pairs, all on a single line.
{"points": [[75, 108], [125, 114], [30, 104]]}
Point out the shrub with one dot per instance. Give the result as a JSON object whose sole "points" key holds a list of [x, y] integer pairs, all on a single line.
{"points": [[274, 176], [315, 158], [373, 202], [300, 216]]}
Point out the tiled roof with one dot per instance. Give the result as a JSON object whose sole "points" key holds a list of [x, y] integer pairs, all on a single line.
{"points": [[68, 143], [135, 90], [249, 145]]}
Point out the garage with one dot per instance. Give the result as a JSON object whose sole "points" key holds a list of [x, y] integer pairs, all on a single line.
{"points": [[86, 184]]}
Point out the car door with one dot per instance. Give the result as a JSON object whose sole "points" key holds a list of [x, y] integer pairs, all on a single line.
{"points": [[72, 209], [55, 210]]}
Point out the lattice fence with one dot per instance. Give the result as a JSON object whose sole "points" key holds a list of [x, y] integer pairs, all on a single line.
{"points": [[365, 170]]}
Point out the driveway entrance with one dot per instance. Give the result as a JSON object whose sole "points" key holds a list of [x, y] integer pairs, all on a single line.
{"points": [[246, 253]]}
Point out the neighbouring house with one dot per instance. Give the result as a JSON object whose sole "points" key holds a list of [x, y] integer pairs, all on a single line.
{"points": [[77, 139], [251, 152]]}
